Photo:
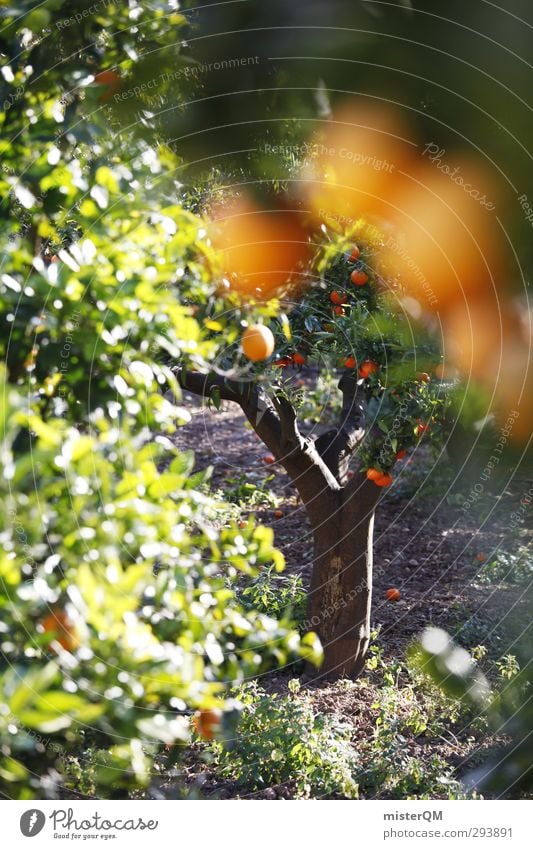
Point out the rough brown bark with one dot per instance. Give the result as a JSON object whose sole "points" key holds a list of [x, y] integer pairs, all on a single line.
{"points": [[340, 595]]}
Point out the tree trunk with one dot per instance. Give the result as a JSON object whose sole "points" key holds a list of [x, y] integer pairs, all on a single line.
{"points": [[341, 585], [341, 512]]}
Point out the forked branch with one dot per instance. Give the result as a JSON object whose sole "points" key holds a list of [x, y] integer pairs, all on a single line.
{"points": [[274, 420], [337, 445]]}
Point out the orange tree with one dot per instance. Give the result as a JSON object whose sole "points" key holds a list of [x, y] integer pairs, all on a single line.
{"points": [[348, 316]]}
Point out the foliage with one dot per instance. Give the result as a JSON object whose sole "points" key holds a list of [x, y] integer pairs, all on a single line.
{"points": [[508, 568], [117, 594], [281, 740], [508, 711], [247, 493], [407, 705], [403, 403], [320, 402], [276, 595], [120, 600], [95, 530]]}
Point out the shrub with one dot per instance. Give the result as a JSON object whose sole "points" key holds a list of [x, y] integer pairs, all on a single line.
{"points": [[280, 740]]}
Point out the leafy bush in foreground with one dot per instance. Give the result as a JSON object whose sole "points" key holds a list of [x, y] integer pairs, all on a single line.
{"points": [[117, 608], [118, 613]]}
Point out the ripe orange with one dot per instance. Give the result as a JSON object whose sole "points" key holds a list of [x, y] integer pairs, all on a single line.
{"points": [[481, 557], [351, 362], [339, 311], [384, 480], [424, 376], [401, 454], [355, 254], [393, 594], [257, 342], [207, 722], [337, 298], [359, 278], [421, 428], [269, 459], [242, 524], [278, 514], [374, 474], [298, 358], [367, 368], [111, 80], [59, 625]]}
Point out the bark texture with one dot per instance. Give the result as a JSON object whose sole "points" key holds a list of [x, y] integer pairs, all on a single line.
{"points": [[340, 595]]}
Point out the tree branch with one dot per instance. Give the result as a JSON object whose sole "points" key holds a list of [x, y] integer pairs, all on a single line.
{"points": [[275, 423], [290, 435], [205, 384]]}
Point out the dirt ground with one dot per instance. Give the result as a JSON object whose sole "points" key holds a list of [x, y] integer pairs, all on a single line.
{"points": [[429, 548]]}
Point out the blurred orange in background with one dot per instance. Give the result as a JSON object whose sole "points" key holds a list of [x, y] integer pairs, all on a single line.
{"points": [[355, 162], [261, 250], [449, 239]]}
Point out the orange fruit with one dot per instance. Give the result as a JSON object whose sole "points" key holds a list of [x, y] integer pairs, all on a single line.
{"points": [[242, 524], [61, 628], [421, 428], [111, 80], [257, 342], [355, 254], [278, 514], [259, 249], [393, 594], [339, 311], [298, 358], [269, 459], [374, 474], [367, 368], [207, 722], [401, 454], [351, 362], [337, 298], [423, 376], [481, 557], [384, 480], [359, 278]]}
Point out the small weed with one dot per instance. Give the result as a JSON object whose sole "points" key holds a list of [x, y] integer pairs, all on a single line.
{"points": [[508, 667], [246, 493], [276, 595]]}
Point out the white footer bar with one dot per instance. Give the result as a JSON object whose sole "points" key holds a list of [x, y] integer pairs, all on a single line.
{"points": [[229, 824]]}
